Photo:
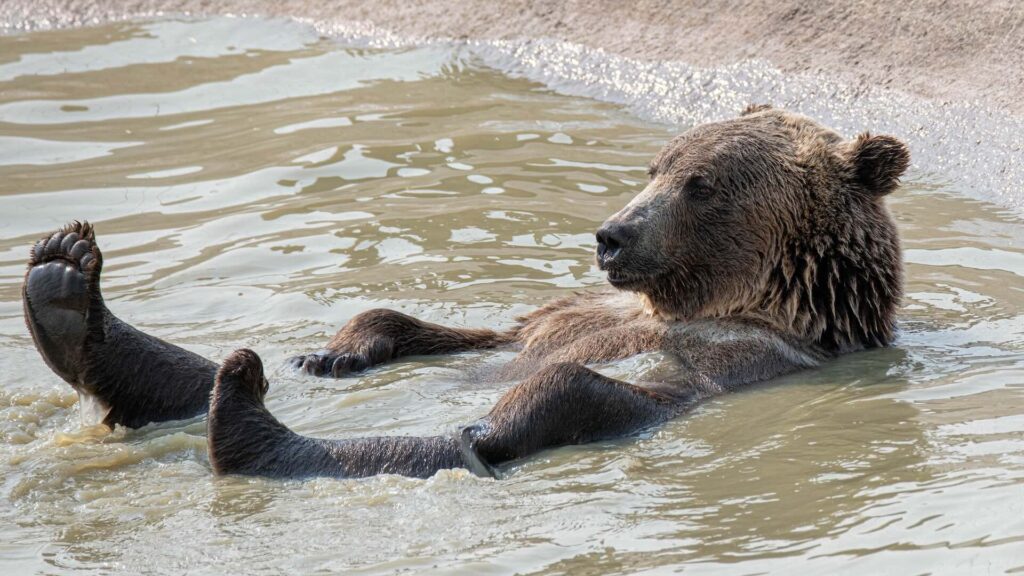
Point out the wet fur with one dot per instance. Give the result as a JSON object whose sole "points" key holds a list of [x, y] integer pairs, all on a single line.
{"points": [[137, 378], [244, 438], [760, 247], [806, 244]]}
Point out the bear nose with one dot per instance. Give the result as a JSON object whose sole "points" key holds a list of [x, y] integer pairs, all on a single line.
{"points": [[611, 239]]}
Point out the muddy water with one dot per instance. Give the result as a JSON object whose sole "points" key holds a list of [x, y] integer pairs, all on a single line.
{"points": [[255, 185]]}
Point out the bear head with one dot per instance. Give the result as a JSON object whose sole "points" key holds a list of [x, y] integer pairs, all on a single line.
{"points": [[770, 217]]}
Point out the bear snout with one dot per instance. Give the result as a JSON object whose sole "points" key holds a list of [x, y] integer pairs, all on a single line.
{"points": [[612, 240]]}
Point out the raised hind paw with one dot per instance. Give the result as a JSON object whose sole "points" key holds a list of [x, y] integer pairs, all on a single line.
{"points": [[330, 363], [60, 295], [132, 377]]}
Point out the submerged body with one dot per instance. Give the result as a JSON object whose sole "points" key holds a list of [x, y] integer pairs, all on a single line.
{"points": [[761, 246]]}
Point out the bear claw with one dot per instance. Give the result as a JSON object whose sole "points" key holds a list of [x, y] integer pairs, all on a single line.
{"points": [[328, 363], [74, 243]]}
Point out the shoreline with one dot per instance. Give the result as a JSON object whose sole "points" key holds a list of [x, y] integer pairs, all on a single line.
{"points": [[966, 130], [962, 51]]}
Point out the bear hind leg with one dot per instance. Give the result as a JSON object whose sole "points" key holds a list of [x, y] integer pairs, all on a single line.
{"points": [[565, 404], [245, 438], [123, 376]]}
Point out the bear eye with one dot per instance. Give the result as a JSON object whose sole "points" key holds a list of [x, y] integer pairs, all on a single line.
{"points": [[698, 187]]}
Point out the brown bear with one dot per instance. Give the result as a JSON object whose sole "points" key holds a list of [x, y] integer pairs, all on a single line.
{"points": [[761, 246]]}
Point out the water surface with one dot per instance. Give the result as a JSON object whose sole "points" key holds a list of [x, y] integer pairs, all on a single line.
{"points": [[255, 185]]}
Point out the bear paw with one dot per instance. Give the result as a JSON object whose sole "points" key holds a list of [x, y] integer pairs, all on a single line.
{"points": [[61, 293], [331, 363]]}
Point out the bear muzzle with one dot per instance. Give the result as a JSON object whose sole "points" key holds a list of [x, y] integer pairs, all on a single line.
{"points": [[613, 240]]}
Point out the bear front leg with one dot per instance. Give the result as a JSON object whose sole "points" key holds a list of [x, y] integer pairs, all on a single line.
{"points": [[377, 336], [566, 404]]}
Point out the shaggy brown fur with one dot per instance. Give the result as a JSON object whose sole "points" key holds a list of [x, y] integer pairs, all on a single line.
{"points": [[769, 217], [761, 246], [237, 402], [778, 220], [123, 375]]}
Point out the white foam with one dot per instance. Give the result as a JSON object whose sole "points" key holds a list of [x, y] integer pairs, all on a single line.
{"points": [[967, 146], [91, 409]]}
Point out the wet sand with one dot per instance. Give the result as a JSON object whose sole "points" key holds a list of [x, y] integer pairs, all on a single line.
{"points": [[956, 51]]}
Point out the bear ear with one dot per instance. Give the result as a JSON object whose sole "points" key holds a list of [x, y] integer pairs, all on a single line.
{"points": [[754, 108], [878, 162]]}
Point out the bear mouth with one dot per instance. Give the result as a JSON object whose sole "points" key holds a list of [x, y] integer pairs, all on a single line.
{"points": [[625, 281]]}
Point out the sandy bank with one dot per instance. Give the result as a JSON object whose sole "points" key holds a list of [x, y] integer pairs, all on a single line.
{"points": [[964, 50], [944, 76]]}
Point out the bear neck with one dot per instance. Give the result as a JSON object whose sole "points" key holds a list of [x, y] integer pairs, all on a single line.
{"points": [[839, 290], [835, 283]]}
